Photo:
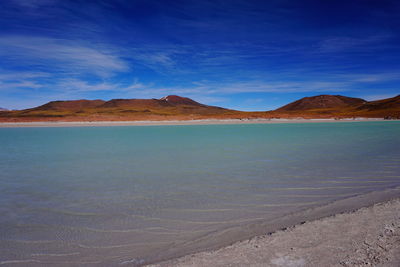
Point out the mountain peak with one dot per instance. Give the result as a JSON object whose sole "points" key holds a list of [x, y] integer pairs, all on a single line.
{"points": [[175, 99], [322, 101]]}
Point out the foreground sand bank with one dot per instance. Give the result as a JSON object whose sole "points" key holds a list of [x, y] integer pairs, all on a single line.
{"points": [[369, 236], [172, 122]]}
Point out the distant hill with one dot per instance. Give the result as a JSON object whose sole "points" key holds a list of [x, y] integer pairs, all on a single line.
{"points": [[340, 106], [384, 104], [171, 107], [167, 101], [322, 102], [389, 107], [3, 109], [175, 107], [70, 105], [178, 100]]}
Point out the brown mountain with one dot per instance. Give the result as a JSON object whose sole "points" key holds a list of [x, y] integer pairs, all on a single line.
{"points": [[167, 108], [132, 103], [3, 109], [178, 100], [340, 106], [389, 107], [174, 107], [322, 102], [167, 101], [384, 104], [70, 105]]}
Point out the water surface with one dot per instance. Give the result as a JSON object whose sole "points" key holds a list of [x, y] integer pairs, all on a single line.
{"points": [[112, 196]]}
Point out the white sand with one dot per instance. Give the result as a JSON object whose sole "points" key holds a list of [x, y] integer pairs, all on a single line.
{"points": [[367, 237]]}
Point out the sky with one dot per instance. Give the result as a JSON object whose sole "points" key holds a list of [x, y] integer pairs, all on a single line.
{"points": [[240, 54]]}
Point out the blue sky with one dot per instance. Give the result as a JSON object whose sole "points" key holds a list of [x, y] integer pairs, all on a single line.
{"points": [[241, 54]]}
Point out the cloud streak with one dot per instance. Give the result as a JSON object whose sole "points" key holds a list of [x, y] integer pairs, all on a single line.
{"points": [[33, 3], [58, 54]]}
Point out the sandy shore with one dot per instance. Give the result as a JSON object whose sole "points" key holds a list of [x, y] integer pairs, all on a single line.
{"points": [[369, 236], [173, 122]]}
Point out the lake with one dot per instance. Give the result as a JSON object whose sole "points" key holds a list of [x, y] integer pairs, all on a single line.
{"points": [[124, 195]]}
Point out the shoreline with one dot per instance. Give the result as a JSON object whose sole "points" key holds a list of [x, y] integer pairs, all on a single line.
{"points": [[175, 122], [210, 247]]}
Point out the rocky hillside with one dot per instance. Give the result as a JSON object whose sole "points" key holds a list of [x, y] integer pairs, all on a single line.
{"points": [[328, 106], [175, 107], [167, 108], [322, 102]]}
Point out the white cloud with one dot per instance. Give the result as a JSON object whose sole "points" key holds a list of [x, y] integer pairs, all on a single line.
{"points": [[339, 44], [163, 60], [72, 86], [33, 3], [12, 76], [10, 81], [158, 58], [59, 54], [374, 77], [76, 85], [271, 87], [19, 85]]}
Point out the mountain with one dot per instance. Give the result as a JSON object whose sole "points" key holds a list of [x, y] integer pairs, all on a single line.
{"points": [[178, 100], [70, 105], [171, 107], [175, 107], [384, 104], [167, 101], [389, 107], [133, 103], [322, 102], [3, 109], [328, 106]]}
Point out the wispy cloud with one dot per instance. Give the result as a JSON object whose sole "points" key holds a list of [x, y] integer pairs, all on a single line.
{"points": [[374, 77], [163, 59], [280, 87], [19, 85], [340, 44], [14, 76], [10, 81], [157, 58], [61, 55], [33, 3], [74, 86]]}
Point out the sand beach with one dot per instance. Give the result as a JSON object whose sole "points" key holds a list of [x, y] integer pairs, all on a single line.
{"points": [[369, 236]]}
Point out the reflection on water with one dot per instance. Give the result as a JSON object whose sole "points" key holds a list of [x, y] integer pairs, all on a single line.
{"points": [[120, 195]]}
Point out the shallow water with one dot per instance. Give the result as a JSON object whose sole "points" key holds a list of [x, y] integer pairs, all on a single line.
{"points": [[122, 195]]}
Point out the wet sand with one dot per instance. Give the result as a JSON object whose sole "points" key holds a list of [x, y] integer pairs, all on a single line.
{"points": [[171, 122], [369, 236]]}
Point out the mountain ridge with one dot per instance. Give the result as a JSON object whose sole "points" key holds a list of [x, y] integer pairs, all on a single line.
{"points": [[342, 106], [173, 107], [322, 101], [170, 100]]}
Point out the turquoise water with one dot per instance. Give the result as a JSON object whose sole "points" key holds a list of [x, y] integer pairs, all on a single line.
{"points": [[122, 195]]}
